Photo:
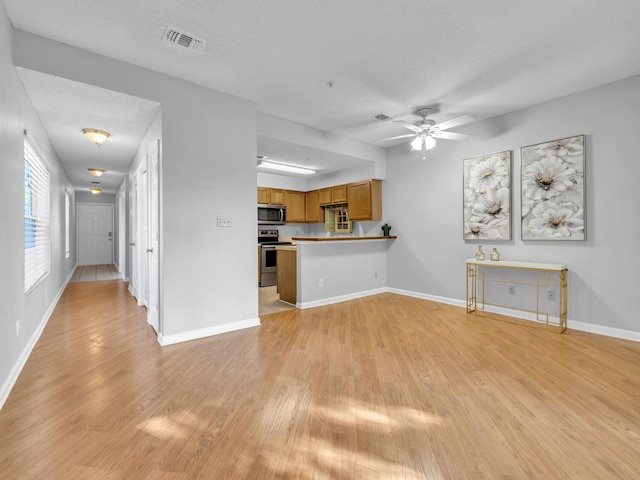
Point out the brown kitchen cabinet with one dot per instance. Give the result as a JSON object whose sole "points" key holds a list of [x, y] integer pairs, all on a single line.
{"points": [[286, 273], [365, 200], [295, 203], [264, 195], [333, 195], [271, 196], [314, 212]]}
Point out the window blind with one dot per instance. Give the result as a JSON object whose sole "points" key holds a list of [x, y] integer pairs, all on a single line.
{"points": [[37, 256]]}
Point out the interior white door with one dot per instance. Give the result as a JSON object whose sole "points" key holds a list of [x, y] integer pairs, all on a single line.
{"points": [[143, 235], [95, 234], [153, 310], [134, 284]]}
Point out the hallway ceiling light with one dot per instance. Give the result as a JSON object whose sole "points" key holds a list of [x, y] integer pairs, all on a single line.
{"points": [[95, 191], [96, 172], [285, 168], [96, 136]]}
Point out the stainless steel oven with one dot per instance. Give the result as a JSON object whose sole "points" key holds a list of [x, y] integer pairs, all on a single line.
{"points": [[268, 240]]}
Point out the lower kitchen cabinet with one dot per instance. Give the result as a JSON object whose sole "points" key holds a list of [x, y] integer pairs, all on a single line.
{"points": [[286, 274]]}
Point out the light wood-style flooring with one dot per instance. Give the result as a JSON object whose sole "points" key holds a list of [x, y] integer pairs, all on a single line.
{"points": [[383, 387]]}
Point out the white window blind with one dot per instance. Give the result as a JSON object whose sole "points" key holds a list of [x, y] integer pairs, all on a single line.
{"points": [[37, 256]]}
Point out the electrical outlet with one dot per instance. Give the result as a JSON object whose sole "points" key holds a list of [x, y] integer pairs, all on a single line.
{"points": [[511, 289], [321, 282], [551, 295], [224, 221]]}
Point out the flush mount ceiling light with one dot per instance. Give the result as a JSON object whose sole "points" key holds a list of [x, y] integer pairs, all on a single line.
{"points": [[284, 167], [95, 191], [96, 172], [96, 136]]}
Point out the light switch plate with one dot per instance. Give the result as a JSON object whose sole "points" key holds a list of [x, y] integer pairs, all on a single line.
{"points": [[224, 221]]}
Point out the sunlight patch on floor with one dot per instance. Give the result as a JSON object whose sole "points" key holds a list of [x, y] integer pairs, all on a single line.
{"points": [[166, 427]]}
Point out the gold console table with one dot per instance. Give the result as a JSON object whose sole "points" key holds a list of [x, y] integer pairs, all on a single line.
{"points": [[546, 275]]}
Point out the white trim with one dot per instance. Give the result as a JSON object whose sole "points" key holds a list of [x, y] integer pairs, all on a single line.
{"points": [[7, 386], [425, 296], [165, 340], [571, 324], [604, 330], [340, 298]]}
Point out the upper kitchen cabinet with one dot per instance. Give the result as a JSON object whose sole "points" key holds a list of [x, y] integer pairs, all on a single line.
{"points": [[314, 212], [264, 195], [270, 196], [295, 203], [365, 200], [333, 195]]}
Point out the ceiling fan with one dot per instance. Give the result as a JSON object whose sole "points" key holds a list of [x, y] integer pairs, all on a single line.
{"points": [[426, 131]]}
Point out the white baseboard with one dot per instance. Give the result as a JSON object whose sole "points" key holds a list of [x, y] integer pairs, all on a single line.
{"points": [[425, 296], [571, 324], [340, 298], [164, 340], [7, 386]]}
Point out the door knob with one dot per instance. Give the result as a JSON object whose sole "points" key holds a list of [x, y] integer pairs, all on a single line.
{"points": [[132, 244], [149, 250]]}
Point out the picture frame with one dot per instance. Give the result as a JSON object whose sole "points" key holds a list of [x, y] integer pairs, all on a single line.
{"points": [[487, 197], [553, 190]]}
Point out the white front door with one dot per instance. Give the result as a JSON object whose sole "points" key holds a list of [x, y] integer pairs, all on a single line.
{"points": [[95, 234]]}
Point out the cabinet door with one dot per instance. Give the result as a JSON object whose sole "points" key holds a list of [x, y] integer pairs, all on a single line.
{"points": [[277, 197], [365, 200], [339, 194], [295, 203], [314, 214], [325, 196], [263, 195]]}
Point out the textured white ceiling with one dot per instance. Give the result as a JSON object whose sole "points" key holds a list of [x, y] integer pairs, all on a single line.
{"points": [[481, 58]]}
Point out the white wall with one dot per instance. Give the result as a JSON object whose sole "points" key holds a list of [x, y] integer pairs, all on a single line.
{"points": [[333, 271], [208, 169], [32, 310], [423, 203]]}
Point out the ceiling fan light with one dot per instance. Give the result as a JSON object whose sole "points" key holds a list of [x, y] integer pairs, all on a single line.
{"points": [[96, 136], [423, 142], [96, 172]]}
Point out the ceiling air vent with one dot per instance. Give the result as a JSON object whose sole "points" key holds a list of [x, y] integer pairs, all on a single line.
{"points": [[381, 117], [182, 39]]}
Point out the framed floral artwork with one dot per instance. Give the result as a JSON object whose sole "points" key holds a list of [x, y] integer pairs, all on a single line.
{"points": [[487, 197], [553, 190]]}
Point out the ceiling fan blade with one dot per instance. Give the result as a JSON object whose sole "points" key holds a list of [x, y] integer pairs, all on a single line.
{"points": [[408, 125], [398, 137], [454, 122], [452, 135]]}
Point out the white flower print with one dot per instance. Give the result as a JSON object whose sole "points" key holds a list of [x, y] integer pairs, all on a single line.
{"points": [[553, 220], [489, 173], [547, 177], [474, 230], [562, 148], [492, 205]]}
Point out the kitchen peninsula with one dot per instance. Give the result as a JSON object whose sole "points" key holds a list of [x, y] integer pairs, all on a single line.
{"points": [[323, 270]]}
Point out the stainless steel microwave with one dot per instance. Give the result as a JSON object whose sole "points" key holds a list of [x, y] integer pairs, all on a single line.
{"points": [[272, 215]]}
